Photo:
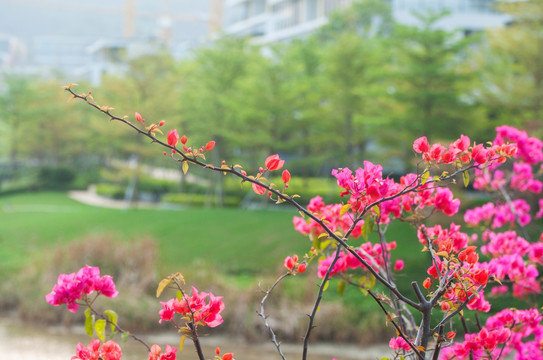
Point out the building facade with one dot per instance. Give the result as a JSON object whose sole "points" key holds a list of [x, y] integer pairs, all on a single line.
{"points": [[282, 20]]}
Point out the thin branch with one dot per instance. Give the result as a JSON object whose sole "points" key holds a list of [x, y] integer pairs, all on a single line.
{"points": [[317, 303], [509, 201], [437, 349], [396, 326], [118, 328], [265, 318], [458, 310]]}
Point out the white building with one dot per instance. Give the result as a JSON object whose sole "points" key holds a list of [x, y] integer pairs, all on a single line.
{"points": [[282, 20]]}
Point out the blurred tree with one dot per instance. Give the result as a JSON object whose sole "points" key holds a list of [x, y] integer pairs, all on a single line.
{"points": [[433, 83], [307, 129], [17, 110], [150, 87], [514, 67], [207, 100], [367, 18], [355, 64]]}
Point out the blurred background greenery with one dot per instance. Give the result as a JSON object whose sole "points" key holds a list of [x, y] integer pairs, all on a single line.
{"points": [[351, 92]]}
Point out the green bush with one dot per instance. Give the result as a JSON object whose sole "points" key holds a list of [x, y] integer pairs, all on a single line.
{"points": [[198, 199], [55, 177], [110, 191]]}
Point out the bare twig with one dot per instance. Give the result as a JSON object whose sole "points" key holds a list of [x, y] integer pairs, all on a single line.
{"points": [[265, 317], [317, 303]]}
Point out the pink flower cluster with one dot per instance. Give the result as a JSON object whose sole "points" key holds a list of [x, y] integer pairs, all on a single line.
{"points": [[157, 354], [399, 343], [72, 287], [292, 264], [367, 186], [460, 150], [196, 307], [372, 253], [500, 214], [520, 330], [529, 149], [529, 153], [110, 351], [328, 213], [449, 240]]}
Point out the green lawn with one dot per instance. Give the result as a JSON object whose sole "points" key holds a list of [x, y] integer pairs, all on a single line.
{"points": [[236, 240]]}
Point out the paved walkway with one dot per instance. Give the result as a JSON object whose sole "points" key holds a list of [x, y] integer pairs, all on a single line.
{"points": [[90, 197]]}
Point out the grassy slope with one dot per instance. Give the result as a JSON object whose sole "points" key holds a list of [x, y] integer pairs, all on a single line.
{"points": [[235, 239]]}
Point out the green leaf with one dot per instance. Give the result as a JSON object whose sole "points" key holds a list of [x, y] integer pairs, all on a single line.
{"points": [[367, 227], [341, 286], [181, 343], [124, 336], [326, 285], [324, 244], [88, 322], [112, 317], [100, 328], [425, 176], [179, 295], [465, 176]]}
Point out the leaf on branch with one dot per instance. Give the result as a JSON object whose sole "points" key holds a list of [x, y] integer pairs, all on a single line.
{"points": [[181, 344], [162, 285], [124, 336], [425, 176], [443, 253], [106, 108], [69, 86], [88, 323], [465, 176], [100, 328], [326, 285], [344, 209], [185, 167], [421, 348], [112, 317], [341, 287], [390, 318]]}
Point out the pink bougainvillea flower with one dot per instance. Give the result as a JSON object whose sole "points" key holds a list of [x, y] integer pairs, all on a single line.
{"points": [[201, 310], [260, 190], [289, 263], [172, 137], [399, 343], [398, 265], [139, 118], [421, 145], [285, 176], [72, 287], [110, 351], [156, 353], [210, 145], [273, 162]]}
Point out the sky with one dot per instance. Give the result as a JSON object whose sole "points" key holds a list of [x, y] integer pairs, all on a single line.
{"points": [[98, 19]]}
